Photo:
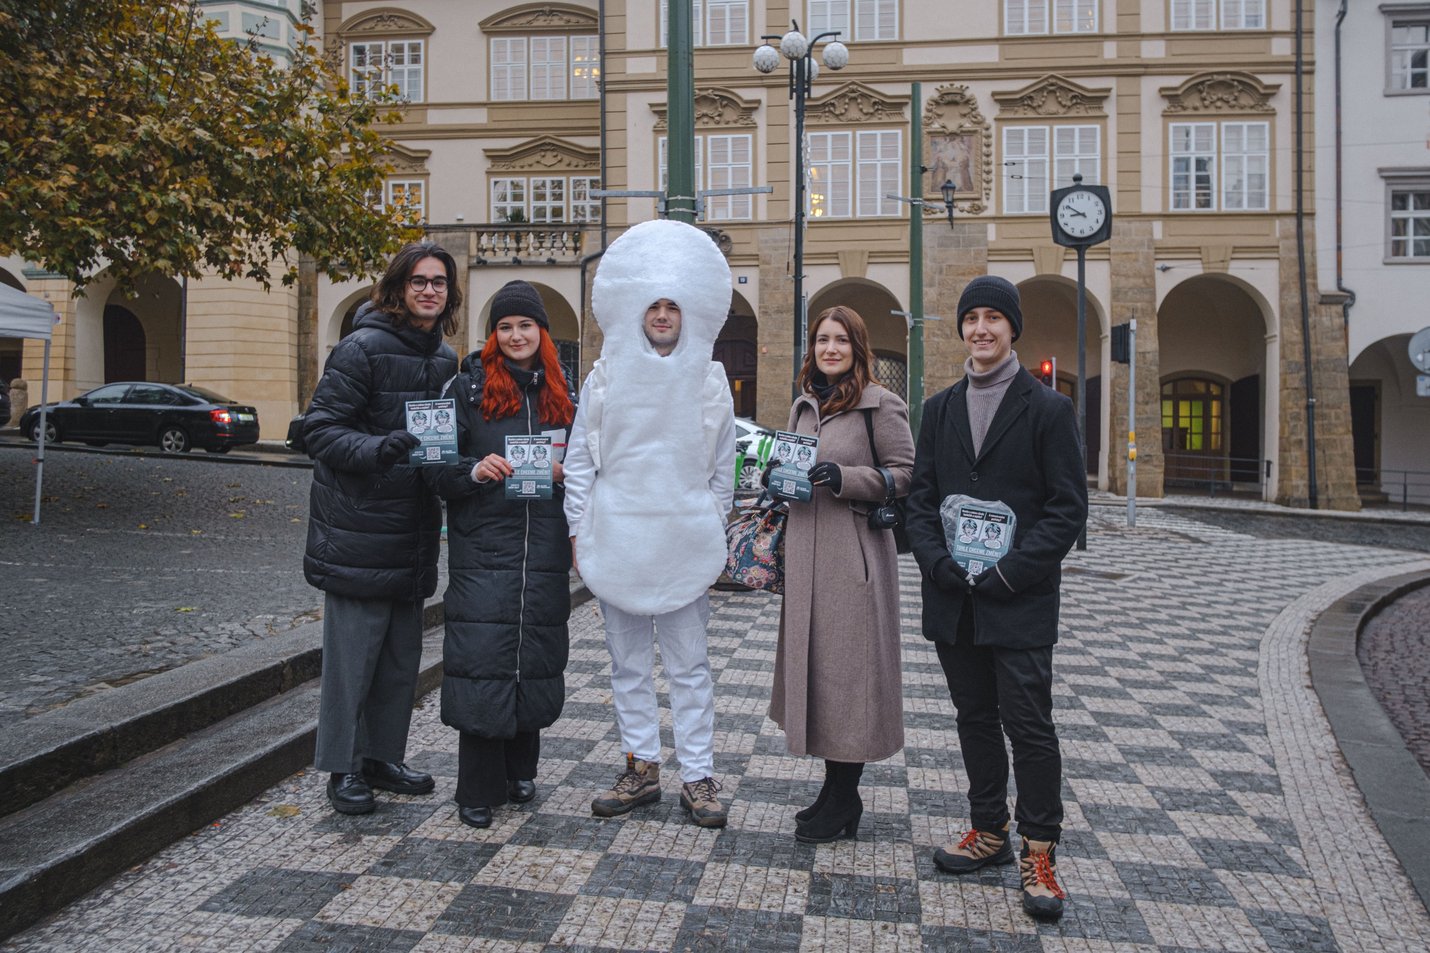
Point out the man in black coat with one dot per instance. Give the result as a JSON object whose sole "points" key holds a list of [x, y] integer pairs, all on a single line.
{"points": [[1000, 435], [374, 526]]}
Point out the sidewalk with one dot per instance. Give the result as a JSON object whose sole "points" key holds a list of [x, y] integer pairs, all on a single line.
{"points": [[1208, 807]]}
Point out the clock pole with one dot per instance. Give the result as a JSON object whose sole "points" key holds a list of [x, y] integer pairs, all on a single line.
{"points": [[1082, 364]]}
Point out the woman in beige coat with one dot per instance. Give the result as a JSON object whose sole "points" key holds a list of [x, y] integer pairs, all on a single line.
{"points": [[837, 687]]}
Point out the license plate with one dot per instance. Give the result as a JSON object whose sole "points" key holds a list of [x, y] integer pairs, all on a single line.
{"points": [[246, 418]]}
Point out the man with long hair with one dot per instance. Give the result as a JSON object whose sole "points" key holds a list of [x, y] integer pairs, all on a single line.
{"points": [[374, 525], [650, 476]]}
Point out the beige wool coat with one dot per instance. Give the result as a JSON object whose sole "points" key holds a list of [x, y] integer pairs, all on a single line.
{"points": [[837, 688]]}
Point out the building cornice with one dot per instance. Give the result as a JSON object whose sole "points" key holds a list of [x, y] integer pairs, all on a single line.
{"points": [[541, 18], [543, 154], [1220, 92], [1053, 96], [715, 108], [385, 21], [855, 103]]}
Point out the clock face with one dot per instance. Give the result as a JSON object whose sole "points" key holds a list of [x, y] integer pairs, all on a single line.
{"points": [[1081, 214]]}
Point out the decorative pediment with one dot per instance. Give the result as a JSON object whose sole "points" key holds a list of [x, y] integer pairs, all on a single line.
{"points": [[714, 108], [387, 21], [405, 161], [544, 154], [1221, 92], [855, 103], [550, 17], [1053, 96], [958, 145]]}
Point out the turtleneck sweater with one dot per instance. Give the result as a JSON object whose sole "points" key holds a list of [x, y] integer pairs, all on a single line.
{"points": [[985, 393]]}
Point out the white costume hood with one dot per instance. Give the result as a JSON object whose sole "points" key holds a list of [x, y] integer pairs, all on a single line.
{"points": [[653, 539]]}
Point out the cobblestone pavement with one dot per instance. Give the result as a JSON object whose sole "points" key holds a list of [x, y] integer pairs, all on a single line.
{"points": [[1208, 808], [140, 564], [1394, 651]]}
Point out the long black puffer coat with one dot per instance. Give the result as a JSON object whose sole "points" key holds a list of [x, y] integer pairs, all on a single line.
{"points": [[509, 566], [372, 533]]}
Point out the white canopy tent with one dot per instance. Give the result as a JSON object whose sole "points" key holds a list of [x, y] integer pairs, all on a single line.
{"points": [[25, 316]]}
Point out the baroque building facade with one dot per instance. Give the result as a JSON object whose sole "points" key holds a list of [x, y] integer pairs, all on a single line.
{"points": [[1186, 109]]}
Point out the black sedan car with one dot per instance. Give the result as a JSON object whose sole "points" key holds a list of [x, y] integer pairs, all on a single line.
{"points": [[173, 417]]}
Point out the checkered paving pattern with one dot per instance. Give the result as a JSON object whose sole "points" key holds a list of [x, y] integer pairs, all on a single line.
{"points": [[1207, 808]]}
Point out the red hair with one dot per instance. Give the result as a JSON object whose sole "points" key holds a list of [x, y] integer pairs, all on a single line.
{"points": [[502, 398]]}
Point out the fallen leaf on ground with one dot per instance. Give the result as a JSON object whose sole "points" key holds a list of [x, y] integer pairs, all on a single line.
{"points": [[284, 810]]}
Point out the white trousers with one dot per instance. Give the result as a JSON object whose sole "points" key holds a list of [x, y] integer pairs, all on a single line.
{"points": [[631, 640]]}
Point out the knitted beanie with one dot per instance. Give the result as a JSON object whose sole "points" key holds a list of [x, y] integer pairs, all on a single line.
{"points": [[990, 291], [521, 299]]}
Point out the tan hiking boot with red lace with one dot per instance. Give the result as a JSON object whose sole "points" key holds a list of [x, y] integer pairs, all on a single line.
{"points": [[638, 784], [1043, 896], [975, 849]]}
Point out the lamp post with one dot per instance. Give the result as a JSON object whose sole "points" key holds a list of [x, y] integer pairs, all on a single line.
{"points": [[803, 69]]}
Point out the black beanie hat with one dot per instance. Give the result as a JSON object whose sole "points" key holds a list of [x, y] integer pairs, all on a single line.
{"points": [[519, 298], [990, 291]]}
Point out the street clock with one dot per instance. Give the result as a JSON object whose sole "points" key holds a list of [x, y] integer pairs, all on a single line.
{"points": [[1081, 214]]}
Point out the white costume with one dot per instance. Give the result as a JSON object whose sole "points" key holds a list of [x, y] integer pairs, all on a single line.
{"points": [[650, 477]]}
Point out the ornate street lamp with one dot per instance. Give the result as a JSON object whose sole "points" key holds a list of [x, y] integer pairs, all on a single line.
{"points": [[948, 189], [803, 69]]}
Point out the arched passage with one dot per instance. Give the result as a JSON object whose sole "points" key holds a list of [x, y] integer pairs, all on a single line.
{"points": [[1050, 332], [11, 349], [141, 332], [565, 329], [1212, 340], [1389, 423], [124, 357], [888, 332], [737, 348]]}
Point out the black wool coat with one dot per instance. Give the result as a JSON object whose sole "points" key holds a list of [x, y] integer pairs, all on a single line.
{"points": [[1031, 460], [373, 533], [508, 585]]}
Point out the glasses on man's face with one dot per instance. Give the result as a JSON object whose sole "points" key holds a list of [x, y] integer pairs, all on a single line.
{"points": [[420, 283]]}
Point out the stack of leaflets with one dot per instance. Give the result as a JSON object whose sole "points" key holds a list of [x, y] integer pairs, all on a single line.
{"points": [[794, 455], [978, 532], [434, 423], [530, 459]]}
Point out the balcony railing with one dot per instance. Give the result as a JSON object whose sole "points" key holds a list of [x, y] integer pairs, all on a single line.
{"points": [[510, 244]]}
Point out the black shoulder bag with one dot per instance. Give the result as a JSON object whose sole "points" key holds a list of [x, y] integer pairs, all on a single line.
{"points": [[889, 514]]}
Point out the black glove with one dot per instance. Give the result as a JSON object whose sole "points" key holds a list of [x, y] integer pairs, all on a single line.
{"points": [[949, 576], [395, 448], [990, 583], [827, 474]]}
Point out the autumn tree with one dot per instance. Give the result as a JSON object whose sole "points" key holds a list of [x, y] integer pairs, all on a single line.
{"points": [[135, 139]]}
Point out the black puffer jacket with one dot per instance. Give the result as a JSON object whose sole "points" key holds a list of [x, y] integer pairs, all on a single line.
{"points": [[372, 533], [509, 566]]}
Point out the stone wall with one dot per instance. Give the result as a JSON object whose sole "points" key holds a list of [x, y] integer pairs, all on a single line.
{"points": [[1134, 295]]}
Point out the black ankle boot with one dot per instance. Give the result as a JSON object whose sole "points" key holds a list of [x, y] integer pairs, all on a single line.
{"points": [[813, 809], [839, 816]]}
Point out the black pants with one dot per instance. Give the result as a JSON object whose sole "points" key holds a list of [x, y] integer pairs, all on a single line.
{"points": [[998, 690], [485, 765]]}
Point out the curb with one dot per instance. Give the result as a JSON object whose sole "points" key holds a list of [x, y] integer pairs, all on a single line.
{"points": [[1395, 788]]}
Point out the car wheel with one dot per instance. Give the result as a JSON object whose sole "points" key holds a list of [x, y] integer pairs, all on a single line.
{"points": [[52, 433], [750, 477], [224, 449], [174, 440]]}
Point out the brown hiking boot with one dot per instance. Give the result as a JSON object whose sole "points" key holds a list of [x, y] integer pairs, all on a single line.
{"points": [[699, 800], [974, 850], [1043, 896], [638, 784]]}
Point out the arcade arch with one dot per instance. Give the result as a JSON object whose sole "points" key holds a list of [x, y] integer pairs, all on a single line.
{"points": [[565, 329], [738, 348], [12, 350], [1050, 331], [1389, 422], [888, 332]]}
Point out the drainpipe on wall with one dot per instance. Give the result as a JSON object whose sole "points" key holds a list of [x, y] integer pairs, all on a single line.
{"points": [[1301, 257], [1350, 300]]}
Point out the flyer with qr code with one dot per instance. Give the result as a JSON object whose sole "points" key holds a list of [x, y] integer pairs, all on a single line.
{"points": [[434, 422], [530, 459], [978, 532], [793, 456]]}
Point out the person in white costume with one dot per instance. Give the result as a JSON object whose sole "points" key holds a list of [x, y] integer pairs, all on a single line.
{"points": [[650, 477]]}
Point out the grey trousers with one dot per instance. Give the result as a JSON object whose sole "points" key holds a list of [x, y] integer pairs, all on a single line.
{"points": [[371, 652]]}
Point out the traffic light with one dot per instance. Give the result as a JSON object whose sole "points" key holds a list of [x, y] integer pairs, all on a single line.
{"points": [[1122, 343], [1048, 372]]}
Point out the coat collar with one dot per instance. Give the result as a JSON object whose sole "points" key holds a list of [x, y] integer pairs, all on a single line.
{"points": [[1014, 404], [869, 399]]}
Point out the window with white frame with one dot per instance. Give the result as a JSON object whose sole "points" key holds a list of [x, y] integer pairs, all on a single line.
{"points": [[1218, 15], [1220, 166], [374, 65], [546, 67], [1038, 159], [1034, 17], [721, 162], [545, 199], [855, 19], [712, 22], [851, 174], [1410, 221], [410, 195], [1410, 54]]}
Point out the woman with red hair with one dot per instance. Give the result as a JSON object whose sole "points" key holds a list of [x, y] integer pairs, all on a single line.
{"points": [[509, 560]]}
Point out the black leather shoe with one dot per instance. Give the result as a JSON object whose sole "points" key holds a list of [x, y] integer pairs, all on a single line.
{"points": [[397, 778], [350, 794], [475, 816], [519, 792]]}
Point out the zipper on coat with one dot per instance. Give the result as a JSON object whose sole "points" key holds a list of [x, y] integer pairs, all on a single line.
{"points": [[525, 554]]}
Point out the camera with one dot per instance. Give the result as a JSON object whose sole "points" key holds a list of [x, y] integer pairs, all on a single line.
{"points": [[884, 517]]}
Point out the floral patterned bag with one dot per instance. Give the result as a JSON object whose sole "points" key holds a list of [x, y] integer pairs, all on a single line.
{"points": [[756, 542]]}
